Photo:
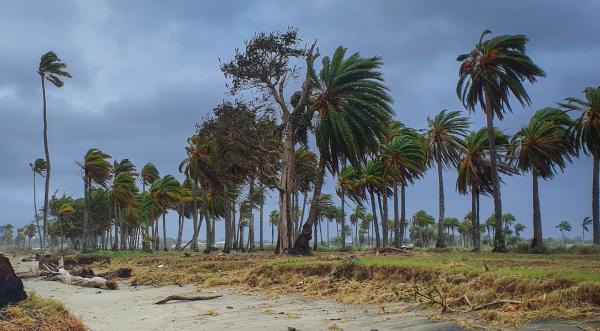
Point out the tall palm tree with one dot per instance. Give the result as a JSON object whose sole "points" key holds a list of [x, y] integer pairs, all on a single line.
{"points": [[38, 167], [542, 148], [474, 173], [404, 158], [444, 146], [562, 227], [585, 227], [96, 169], [52, 70], [359, 213], [165, 192], [65, 209], [274, 221], [352, 108], [197, 166], [493, 70], [518, 229], [371, 180], [586, 134]]}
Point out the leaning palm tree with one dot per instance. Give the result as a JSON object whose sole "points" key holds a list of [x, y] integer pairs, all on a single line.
{"points": [[166, 192], [52, 70], [542, 148], [38, 167], [474, 173], [65, 209], [404, 159], [488, 75], [372, 181], [444, 146], [149, 175], [586, 134], [96, 169], [359, 213], [585, 227], [351, 108], [562, 227]]}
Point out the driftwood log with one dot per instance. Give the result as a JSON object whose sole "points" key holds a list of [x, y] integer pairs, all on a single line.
{"points": [[65, 277], [119, 273], [182, 298], [11, 286]]}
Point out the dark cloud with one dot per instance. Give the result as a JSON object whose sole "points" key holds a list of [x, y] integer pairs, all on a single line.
{"points": [[146, 71]]}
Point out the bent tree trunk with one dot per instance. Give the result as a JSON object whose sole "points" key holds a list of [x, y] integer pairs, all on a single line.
{"points": [[37, 219], [194, 244], [440, 243], [596, 201], [48, 167], [536, 243], [302, 245], [499, 240]]}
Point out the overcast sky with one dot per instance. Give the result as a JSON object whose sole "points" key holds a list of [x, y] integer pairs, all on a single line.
{"points": [[145, 72]]}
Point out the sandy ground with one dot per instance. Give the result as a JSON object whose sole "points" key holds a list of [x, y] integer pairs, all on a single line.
{"points": [[133, 308]]}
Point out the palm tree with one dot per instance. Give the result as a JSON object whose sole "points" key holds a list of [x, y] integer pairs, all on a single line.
{"points": [[488, 74], [65, 209], [371, 180], [96, 169], [358, 214], [196, 166], [274, 221], [564, 226], [518, 229], [474, 173], [444, 146], [53, 70], [165, 192], [148, 175], [586, 134], [542, 148], [31, 233], [38, 167], [585, 227], [404, 159], [352, 110], [122, 195]]}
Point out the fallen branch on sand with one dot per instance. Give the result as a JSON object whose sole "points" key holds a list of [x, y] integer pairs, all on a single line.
{"points": [[182, 298], [65, 277], [497, 302]]}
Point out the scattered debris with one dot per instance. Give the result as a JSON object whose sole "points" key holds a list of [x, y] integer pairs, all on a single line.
{"points": [[182, 298]]}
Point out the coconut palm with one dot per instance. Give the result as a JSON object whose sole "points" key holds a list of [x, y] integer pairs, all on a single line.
{"points": [[197, 166], [444, 146], [371, 180], [122, 195], [38, 167], [274, 218], [404, 158], [352, 108], [518, 229], [148, 175], [65, 209], [586, 135], [585, 227], [474, 173], [359, 213], [165, 192], [96, 169], [489, 74], [562, 227], [542, 148], [52, 70]]}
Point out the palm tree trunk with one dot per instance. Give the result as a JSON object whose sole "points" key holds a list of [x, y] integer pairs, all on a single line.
{"points": [[396, 217], [48, 167], [194, 244], [474, 222], [440, 243], [37, 219], [315, 246], [304, 196], [384, 215], [375, 222], [233, 227], [596, 200], [402, 210], [342, 234], [536, 243], [302, 245], [261, 216], [499, 240], [251, 220], [321, 230], [164, 226], [86, 212], [180, 232]]}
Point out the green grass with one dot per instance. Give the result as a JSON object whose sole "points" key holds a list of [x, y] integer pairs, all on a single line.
{"points": [[126, 254], [567, 266]]}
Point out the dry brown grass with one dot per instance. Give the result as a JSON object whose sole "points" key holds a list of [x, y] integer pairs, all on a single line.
{"points": [[37, 314], [342, 279]]}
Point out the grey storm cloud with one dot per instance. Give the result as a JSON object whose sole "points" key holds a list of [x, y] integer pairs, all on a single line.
{"points": [[145, 72]]}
